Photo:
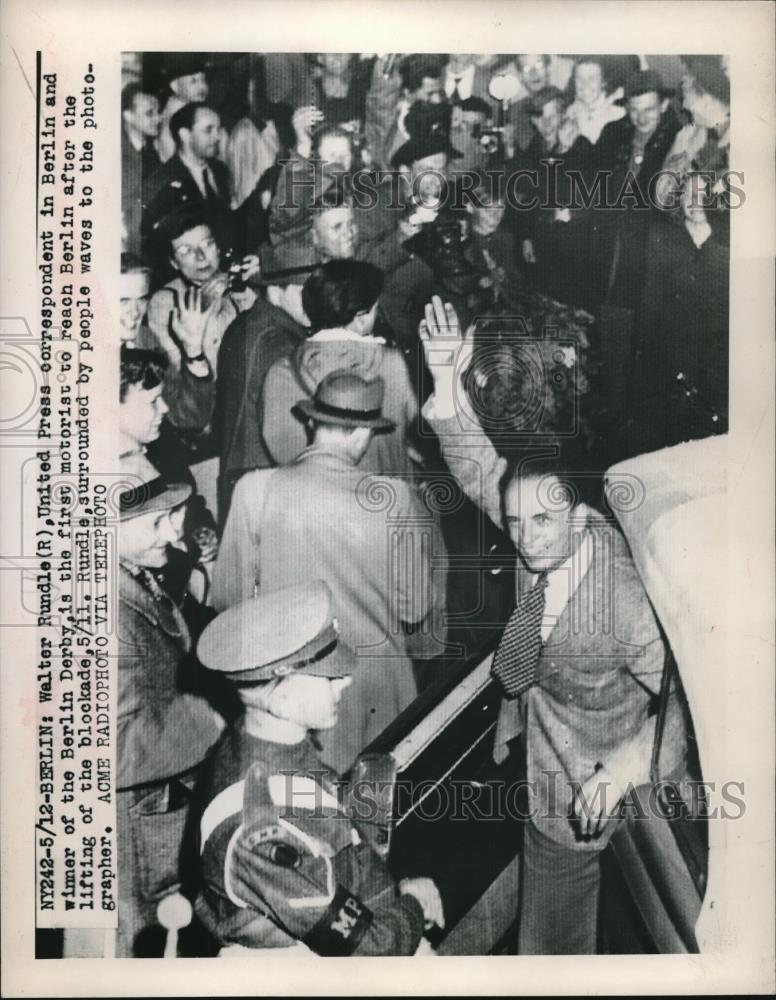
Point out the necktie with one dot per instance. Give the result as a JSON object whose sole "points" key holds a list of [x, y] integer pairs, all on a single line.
{"points": [[514, 664], [211, 195]]}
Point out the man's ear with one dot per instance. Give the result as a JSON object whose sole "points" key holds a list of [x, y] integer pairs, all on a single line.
{"points": [[174, 263], [664, 106]]}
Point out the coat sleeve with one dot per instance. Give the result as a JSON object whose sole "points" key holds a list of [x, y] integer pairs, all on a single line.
{"points": [[283, 434], [236, 569], [160, 310], [471, 458], [162, 729], [190, 398], [629, 762]]}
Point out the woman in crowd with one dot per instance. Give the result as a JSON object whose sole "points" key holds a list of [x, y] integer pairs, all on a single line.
{"points": [[201, 292]]}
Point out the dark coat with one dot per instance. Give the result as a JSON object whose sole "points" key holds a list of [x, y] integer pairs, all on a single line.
{"points": [[137, 169], [173, 187], [251, 346], [165, 727], [627, 229], [683, 328], [567, 236]]}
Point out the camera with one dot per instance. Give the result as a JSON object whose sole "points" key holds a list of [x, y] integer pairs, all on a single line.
{"points": [[234, 271], [489, 137]]}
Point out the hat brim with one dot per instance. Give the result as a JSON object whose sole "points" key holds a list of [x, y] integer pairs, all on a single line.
{"points": [[341, 662], [172, 496], [306, 407], [412, 150]]}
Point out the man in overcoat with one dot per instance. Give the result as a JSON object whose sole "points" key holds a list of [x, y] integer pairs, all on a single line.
{"points": [[367, 536]]}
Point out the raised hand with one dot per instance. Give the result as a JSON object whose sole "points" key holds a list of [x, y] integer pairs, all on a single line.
{"points": [[189, 320], [448, 351], [304, 121]]}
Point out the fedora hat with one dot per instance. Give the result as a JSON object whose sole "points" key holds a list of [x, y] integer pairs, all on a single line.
{"points": [[178, 64], [344, 399], [428, 128], [278, 633], [646, 81]]}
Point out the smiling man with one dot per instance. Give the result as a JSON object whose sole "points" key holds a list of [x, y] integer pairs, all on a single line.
{"points": [[166, 724], [580, 660]]}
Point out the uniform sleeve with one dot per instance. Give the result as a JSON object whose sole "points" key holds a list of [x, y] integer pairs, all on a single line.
{"points": [[471, 457], [339, 905]]}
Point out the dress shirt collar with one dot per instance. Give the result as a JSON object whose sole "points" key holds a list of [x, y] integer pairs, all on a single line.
{"points": [[137, 142], [465, 82], [563, 582], [197, 170]]}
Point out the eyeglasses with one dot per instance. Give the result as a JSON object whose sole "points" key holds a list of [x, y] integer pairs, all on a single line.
{"points": [[202, 249]]}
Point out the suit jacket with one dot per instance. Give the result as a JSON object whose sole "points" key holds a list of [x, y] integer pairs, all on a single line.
{"points": [[172, 187], [598, 672], [166, 725], [137, 168], [371, 540]]}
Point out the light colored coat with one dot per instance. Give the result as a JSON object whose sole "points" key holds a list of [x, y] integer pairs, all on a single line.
{"points": [[598, 673], [371, 540]]}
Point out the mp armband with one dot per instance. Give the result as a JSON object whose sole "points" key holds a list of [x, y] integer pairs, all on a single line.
{"points": [[341, 928]]}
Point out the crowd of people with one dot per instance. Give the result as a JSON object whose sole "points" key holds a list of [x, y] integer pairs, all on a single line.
{"points": [[373, 292]]}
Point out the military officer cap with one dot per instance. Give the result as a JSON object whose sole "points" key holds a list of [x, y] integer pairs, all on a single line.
{"points": [[276, 634]]}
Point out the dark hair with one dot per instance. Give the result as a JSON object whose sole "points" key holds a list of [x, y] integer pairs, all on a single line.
{"points": [[417, 68], [185, 117], [130, 264], [537, 102], [130, 92], [182, 221], [143, 368], [334, 294], [570, 465]]}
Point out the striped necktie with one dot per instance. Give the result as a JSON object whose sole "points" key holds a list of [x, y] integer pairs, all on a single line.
{"points": [[514, 663]]}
